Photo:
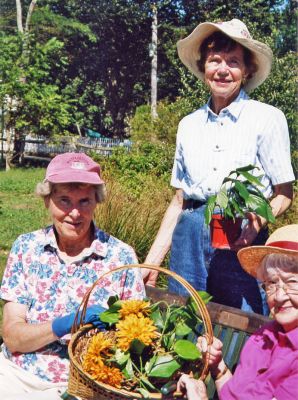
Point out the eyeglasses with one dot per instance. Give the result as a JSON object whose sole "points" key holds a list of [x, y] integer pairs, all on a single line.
{"points": [[290, 287]]}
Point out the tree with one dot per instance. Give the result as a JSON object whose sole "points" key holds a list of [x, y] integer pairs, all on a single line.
{"points": [[32, 90], [153, 54]]}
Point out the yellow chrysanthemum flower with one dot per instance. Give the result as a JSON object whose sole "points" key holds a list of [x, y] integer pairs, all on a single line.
{"points": [[110, 376], [92, 364], [137, 307], [100, 344], [131, 328], [101, 372]]}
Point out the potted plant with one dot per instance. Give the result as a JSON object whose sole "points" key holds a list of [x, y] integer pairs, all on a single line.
{"points": [[239, 194]]}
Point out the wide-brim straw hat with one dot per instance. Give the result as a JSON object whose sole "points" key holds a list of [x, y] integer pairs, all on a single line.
{"points": [[189, 49], [282, 241]]}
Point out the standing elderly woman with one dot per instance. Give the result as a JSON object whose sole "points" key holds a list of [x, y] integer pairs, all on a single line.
{"points": [[228, 132], [268, 367], [47, 274]]}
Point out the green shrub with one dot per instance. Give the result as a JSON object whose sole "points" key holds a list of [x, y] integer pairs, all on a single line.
{"points": [[164, 128], [135, 222], [145, 165]]}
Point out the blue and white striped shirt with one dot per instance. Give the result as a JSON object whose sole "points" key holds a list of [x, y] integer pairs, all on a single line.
{"points": [[209, 146]]}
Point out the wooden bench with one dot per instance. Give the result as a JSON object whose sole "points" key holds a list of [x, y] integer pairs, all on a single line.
{"points": [[231, 325]]}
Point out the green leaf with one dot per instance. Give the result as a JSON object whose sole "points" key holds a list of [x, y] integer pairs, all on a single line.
{"points": [[121, 357], [211, 202], [270, 216], [237, 210], [136, 346], [228, 213], [187, 350], [252, 179], [247, 168], [242, 190], [149, 364], [157, 318], [109, 317], [164, 367], [260, 207], [168, 340], [205, 296], [128, 370], [222, 198], [182, 329]]}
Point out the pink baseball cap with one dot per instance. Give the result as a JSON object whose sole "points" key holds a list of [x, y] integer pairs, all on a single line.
{"points": [[73, 167]]}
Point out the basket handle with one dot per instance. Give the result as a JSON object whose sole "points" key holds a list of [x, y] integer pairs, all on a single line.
{"points": [[196, 297]]}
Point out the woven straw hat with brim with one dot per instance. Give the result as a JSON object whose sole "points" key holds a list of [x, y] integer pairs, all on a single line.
{"points": [[283, 241], [189, 49]]}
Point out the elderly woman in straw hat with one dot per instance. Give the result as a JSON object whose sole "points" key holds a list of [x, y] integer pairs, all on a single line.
{"points": [[47, 274], [268, 367], [228, 132]]}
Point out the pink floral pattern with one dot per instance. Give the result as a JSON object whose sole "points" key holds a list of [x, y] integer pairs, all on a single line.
{"points": [[37, 277]]}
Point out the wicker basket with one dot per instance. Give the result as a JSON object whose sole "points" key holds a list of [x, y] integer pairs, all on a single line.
{"points": [[81, 383]]}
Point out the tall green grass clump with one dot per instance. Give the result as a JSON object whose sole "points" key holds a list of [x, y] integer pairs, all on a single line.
{"points": [[133, 220]]}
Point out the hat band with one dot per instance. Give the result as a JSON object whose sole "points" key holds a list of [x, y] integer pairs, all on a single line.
{"points": [[284, 244]]}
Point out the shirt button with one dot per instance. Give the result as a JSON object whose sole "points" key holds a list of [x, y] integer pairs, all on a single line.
{"points": [[209, 189], [221, 123], [214, 169], [217, 146]]}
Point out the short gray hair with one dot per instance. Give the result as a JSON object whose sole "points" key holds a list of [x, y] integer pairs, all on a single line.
{"points": [[277, 261], [45, 188]]}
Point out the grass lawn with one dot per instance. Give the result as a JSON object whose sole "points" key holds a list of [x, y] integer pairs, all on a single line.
{"points": [[20, 210]]}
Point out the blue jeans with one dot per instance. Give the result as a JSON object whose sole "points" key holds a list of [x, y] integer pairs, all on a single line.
{"points": [[216, 271]]}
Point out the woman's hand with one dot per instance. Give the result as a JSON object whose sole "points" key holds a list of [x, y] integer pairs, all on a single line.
{"points": [[212, 352], [193, 388], [250, 231], [149, 277]]}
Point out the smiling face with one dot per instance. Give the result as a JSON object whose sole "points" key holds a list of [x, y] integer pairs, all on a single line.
{"points": [[71, 210], [224, 74], [281, 285]]}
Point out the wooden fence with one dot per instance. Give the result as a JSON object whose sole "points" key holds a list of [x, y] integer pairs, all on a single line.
{"points": [[41, 148]]}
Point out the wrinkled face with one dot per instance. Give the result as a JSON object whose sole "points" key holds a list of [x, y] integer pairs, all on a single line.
{"points": [[72, 211], [224, 73], [282, 297]]}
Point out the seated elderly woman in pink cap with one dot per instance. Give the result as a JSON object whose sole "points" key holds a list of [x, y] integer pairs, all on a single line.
{"points": [[268, 367], [47, 274]]}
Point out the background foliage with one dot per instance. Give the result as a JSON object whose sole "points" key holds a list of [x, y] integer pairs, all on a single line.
{"points": [[93, 59]]}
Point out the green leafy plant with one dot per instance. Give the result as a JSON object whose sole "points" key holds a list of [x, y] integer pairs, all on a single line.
{"points": [[239, 194], [146, 344]]}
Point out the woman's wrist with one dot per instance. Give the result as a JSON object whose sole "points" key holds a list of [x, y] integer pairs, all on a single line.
{"points": [[220, 371]]}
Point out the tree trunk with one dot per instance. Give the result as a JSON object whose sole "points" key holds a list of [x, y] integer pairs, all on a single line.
{"points": [[9, 151], [15, 139], [154, 63], [19, 16]]}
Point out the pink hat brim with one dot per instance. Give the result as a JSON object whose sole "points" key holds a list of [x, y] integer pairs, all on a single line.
{"points": [[76, 176]]}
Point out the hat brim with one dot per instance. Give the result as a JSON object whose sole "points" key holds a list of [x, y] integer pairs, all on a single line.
{"points": [[188, 51], [79, 176], [250, 258]]}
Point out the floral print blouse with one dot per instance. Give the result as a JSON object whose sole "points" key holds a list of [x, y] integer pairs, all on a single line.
{"points": [[37, 277]]}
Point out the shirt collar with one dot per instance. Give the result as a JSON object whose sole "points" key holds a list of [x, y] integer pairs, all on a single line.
{"points": [[99, 246], [274, 332], [233, 110]]}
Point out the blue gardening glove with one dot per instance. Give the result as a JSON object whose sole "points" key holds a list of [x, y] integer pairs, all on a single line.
{"points": [[62, 325]]}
